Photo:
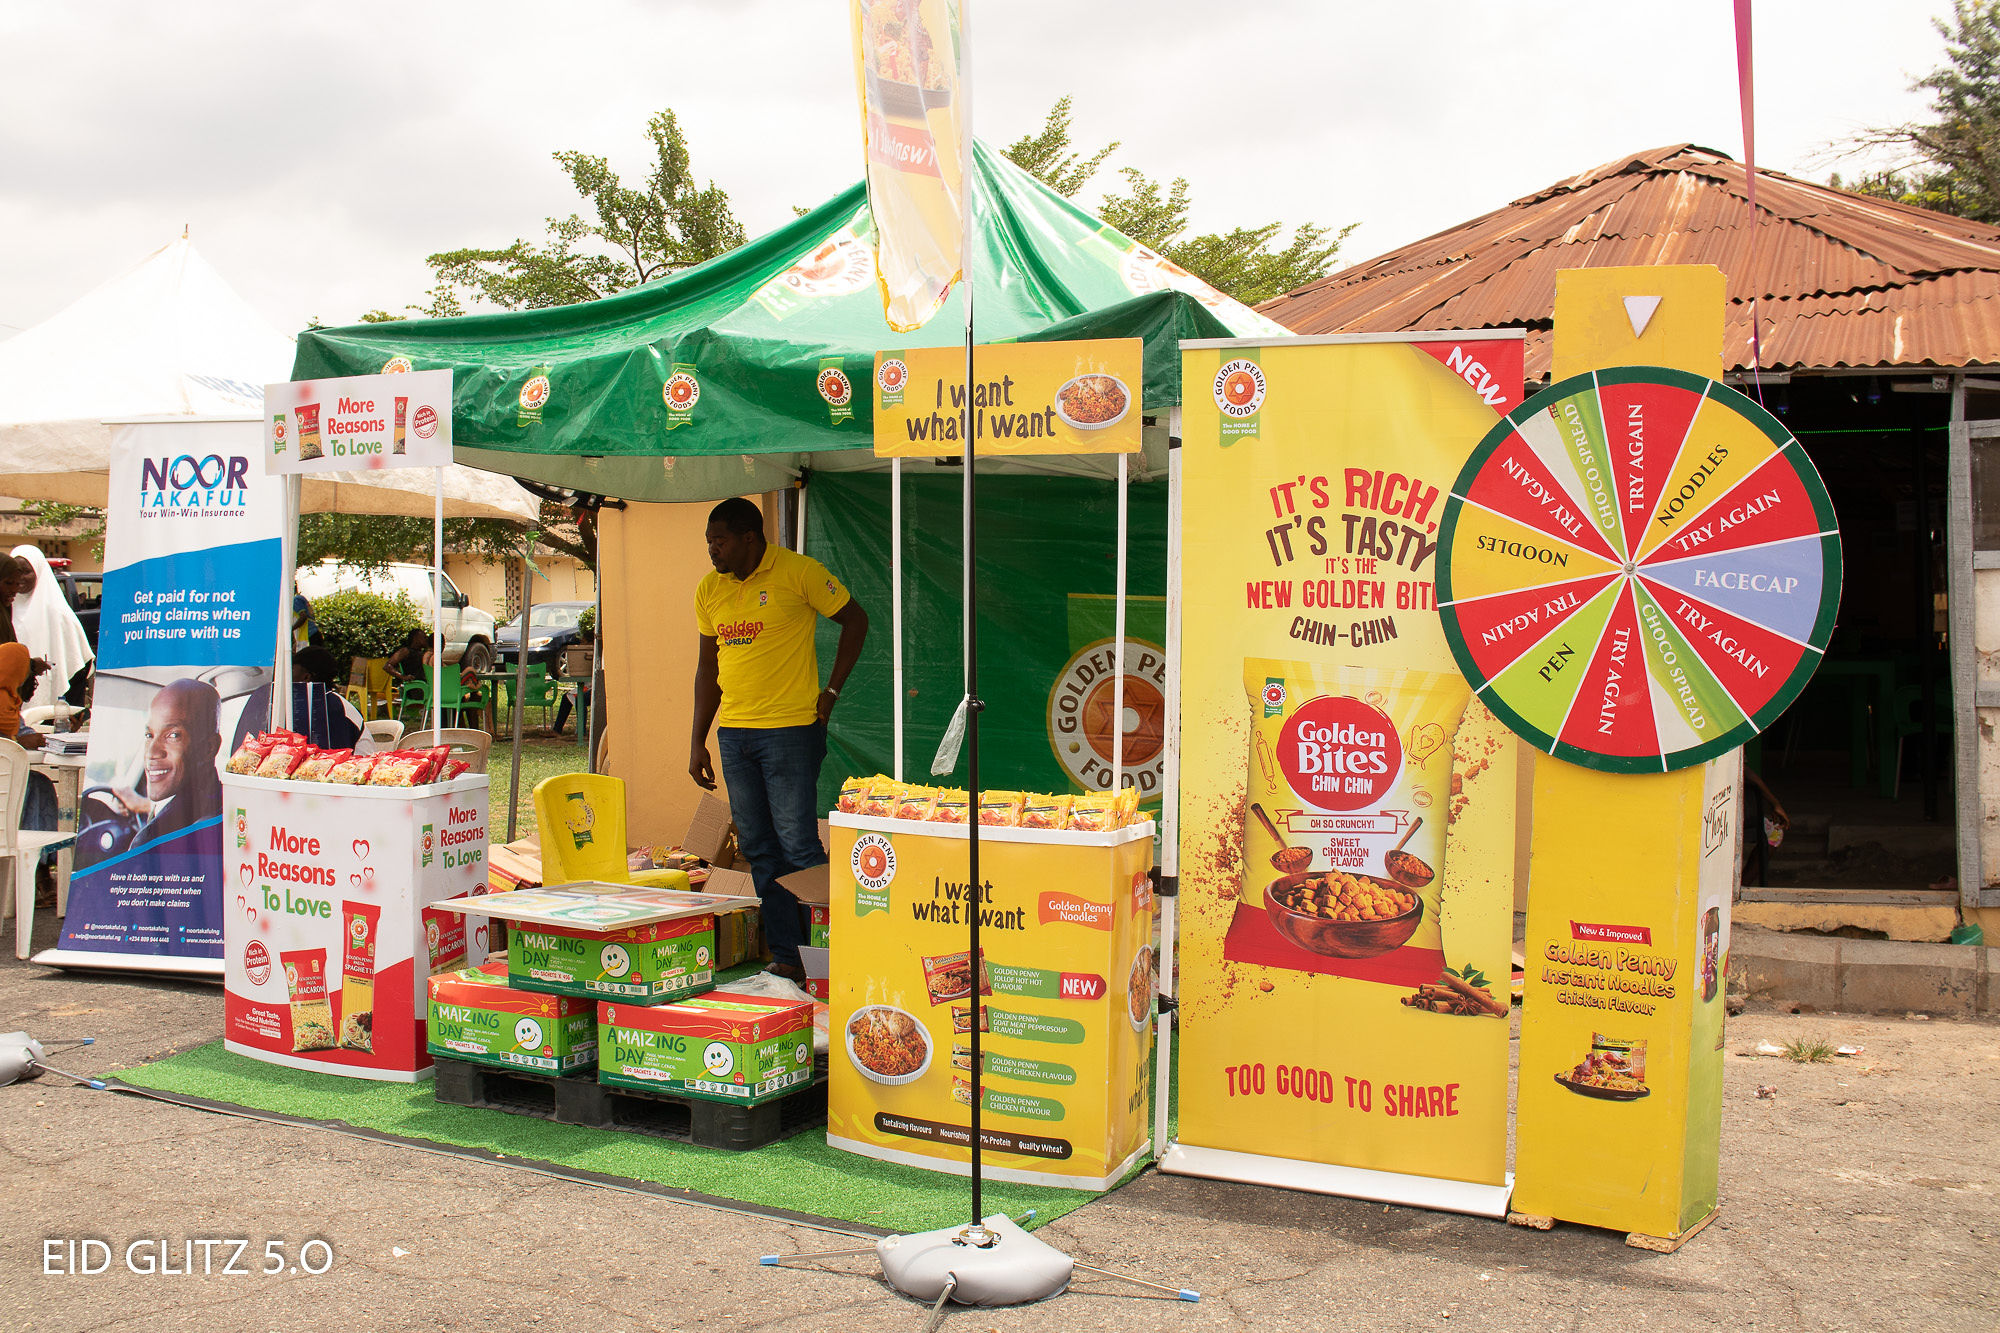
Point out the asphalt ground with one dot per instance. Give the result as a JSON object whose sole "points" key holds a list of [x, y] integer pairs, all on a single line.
{"points": [[1860, 1194]]}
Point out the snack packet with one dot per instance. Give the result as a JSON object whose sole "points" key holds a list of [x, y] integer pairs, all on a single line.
{"points": [[953, 804], [353, 770], [250, 755], [1043, 811], [1355, 751], [1000, 809], [318, 764], [853, 793], [456, 768], [949, 976], [1126, 805], [916, 803], [882, 794], [282, 759], [398, 768], [961, 1019], [1092, 812]]}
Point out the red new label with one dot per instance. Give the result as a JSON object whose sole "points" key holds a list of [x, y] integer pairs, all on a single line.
{"points": [[1080, 986], [1584, 930], [1491, 367]]}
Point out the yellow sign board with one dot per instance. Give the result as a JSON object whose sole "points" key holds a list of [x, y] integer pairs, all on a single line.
{"points": [[1027, 398], [1066, 992], [1346, 857]]}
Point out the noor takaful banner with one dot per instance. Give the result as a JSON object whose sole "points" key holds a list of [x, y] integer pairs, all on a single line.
{"points": [[184, 665]]}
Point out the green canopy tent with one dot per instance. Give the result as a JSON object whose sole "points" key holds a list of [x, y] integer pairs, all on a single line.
{"points": [[757, 326]]}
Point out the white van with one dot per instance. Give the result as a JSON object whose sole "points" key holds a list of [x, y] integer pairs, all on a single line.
{"points": [[467, 629]]}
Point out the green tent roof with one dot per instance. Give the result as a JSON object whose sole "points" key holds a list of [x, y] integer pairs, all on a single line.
{"points": [[757, 325]]}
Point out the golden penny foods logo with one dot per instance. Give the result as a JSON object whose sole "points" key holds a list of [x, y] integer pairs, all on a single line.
{"points": [[682, 392], [397, 365], [893, 375], [873, 862], [1084, 719], [534, 393], [834, 386], [1239, 388]]}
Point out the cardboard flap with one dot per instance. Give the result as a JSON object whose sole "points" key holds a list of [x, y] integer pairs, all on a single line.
{"points": [[812, 886], [734, 882], [709, 831]]}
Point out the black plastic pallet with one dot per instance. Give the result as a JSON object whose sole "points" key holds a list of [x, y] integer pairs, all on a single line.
{"points": [[579, 1099]]}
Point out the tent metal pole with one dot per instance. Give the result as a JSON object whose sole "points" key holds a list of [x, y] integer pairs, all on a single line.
{"points": [[521, 677], [1165, 978], [288, 561], [437, 605], [1118, 635], [968, 175], [896, 605]]}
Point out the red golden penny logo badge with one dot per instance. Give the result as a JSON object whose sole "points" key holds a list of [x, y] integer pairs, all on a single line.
{"points": [[834, 387], [397, 365], [1339, 753], [873, 861], [893, 375], [681, 391], [535, 392], [425, 422], [1239, 388]]}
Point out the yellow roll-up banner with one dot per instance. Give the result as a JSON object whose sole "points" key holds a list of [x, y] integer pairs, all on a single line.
{"points": [[1347, 806]]}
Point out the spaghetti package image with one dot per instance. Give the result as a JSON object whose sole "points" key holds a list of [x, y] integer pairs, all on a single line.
{"points": [[357, 975], [312, 1014], [1352, 765]]}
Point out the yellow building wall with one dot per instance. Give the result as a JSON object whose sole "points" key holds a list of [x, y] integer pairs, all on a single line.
{"points": [[484, 580], [649, 559]]}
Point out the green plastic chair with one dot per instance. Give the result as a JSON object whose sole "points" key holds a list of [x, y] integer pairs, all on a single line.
{"points": [[456, 699], [580, 821], [541, 692]]}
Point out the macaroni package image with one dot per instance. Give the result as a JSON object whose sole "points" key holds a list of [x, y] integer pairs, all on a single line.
{"points": [[312, 1014]]}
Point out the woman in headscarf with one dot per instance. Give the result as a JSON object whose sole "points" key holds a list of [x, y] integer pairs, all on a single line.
{"points": [[38, 806], [45, 624]]}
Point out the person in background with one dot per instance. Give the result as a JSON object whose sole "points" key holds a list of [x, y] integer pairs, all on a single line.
{"points": [[757, 676], [18, 676], [320, 712], [581, 698], [43, 620], [305, 630], [407, 662]]}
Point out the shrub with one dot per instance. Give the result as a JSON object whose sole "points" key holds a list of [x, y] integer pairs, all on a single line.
{"points": [[364, 624], [585, 623]]}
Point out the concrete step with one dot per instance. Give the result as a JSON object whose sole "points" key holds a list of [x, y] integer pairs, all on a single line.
{"points": [[1865, 976]]}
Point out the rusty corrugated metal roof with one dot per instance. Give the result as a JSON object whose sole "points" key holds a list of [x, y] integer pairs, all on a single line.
{"points": [[1840, 279]]}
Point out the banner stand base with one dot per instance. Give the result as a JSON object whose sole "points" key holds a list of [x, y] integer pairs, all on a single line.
{"points": [[192, 969], [1447, 1196]]}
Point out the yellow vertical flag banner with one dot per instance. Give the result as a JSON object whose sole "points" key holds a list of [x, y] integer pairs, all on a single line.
{"points": [[908, 63], [1347, 827]]}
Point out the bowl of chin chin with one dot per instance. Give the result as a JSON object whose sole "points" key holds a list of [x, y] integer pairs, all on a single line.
{"points": [[1332, 938]]}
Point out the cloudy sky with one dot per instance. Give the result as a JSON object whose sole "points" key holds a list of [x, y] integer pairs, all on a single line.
{"points": [[319, 152]]}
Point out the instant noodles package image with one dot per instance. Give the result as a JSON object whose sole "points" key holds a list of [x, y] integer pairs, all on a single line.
{"points": [[1353, 766], [312, 1014]]}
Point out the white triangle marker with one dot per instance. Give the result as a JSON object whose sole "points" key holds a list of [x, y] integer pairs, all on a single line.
{"points": [[1639, 310]]}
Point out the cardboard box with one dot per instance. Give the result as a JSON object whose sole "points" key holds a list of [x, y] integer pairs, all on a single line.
{"points": [[475, 1015], [711, 835], [650, 964], [742, 1049], [818, 964]]}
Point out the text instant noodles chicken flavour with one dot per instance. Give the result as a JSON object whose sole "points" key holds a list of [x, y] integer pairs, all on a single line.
{"points": [[1352, 764]]}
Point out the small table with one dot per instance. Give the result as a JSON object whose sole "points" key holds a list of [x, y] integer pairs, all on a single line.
{"points": [[66, 772]]}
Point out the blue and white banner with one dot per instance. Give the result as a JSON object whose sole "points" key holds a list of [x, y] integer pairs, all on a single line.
{"points": [[186, 645]]}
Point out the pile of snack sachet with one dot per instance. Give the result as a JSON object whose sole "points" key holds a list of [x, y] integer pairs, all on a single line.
{"points": [[288, 755], [1086, 812]]}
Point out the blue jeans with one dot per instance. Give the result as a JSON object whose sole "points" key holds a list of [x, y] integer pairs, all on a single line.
{"points": [[773, 777]]}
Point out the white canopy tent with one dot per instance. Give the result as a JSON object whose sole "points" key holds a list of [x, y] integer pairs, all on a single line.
{"points": [[169, 338]]}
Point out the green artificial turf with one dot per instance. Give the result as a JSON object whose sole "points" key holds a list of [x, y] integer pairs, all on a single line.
{"points": [[801, 1173]]}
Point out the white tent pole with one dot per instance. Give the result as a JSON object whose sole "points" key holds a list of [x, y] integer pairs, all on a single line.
{"points": [[803, 490], [288, 560], [521, 677], [1166, 978], [1118, 640], [896, 605], [437, 608]]}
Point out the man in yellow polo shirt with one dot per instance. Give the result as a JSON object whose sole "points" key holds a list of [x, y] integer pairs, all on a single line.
{"points": [[757, 681]]}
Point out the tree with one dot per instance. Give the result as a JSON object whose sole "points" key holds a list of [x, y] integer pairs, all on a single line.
{"points": [[1953, 160], [638, 235], [1241, 262], [374, 540]]}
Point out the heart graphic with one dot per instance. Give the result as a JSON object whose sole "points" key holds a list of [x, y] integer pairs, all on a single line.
{"points": [[361, 849], [243, 873], [355, 880], [479, 936], [368, 875]]}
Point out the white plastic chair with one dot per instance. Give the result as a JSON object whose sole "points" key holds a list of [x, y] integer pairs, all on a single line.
{"points": [[466, 743], [21, 848], [383, 733]]}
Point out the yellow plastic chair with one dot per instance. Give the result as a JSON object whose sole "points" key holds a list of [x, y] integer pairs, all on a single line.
{"points": [[581, 823]]}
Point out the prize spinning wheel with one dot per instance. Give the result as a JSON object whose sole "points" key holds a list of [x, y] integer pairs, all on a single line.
{"points": [[1638, 569]]}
